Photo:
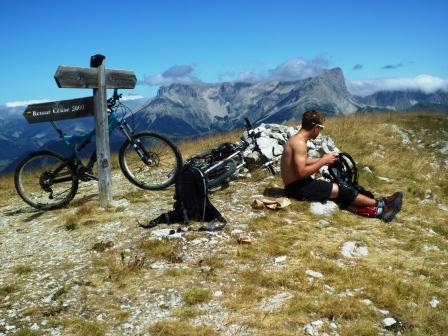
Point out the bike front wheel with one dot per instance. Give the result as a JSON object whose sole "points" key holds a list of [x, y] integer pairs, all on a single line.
{"points": [[45, 180], [150, 161]]}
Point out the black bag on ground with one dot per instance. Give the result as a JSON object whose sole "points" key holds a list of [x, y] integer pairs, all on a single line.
{"points": [[345, 171], [191, 201]]}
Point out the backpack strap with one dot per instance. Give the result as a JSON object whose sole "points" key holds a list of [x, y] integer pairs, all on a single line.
{"points": [[202, 182], [350, 165]]}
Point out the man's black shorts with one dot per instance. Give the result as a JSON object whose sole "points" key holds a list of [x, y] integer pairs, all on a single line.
{"points": [[309, 189]]}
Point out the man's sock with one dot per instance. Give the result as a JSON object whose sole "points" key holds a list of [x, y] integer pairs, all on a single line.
{"points": [[380, 205], [368, 211]]}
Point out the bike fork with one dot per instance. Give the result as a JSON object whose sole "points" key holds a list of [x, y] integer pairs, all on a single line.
{"points": [[136, 144]]}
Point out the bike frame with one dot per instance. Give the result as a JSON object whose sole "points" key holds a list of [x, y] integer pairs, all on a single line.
{"points": [[238, 152], [77, 142]]}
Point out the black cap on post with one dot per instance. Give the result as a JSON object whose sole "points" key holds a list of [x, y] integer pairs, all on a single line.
{"points": [[96, 60]]}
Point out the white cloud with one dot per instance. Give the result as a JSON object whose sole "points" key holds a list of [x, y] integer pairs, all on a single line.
{"points": [[291, 70], [131, 97], [299, 68], [19, 103], [175, 74], [248, 76], [425, 83]]}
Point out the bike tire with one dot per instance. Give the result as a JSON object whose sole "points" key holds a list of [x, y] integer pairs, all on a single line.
{"points": [[270, 169], [155, 175], [36, 171], [219, 175]]}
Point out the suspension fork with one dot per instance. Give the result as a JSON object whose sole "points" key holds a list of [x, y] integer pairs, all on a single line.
{"points": [[136, 144]]}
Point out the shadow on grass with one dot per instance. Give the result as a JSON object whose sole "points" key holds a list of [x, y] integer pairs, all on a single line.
{"points": [[22, 211], [83, 200], [274, 192]]}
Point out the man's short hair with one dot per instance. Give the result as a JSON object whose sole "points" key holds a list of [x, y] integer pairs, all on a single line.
{"points": [[311, 118]]}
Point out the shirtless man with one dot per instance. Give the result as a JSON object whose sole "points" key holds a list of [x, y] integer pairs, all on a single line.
{"points": [[297, 168]]}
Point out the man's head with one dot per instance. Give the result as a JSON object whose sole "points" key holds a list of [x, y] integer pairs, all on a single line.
{"points": [[312, 119]]}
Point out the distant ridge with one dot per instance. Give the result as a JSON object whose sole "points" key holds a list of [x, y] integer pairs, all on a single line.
{"points": [[181, 110]]}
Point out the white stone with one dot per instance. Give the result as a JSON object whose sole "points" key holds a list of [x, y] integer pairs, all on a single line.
{"points": [[389, 321], [333, 326], [434, 302], [314, 274], [313, 328], [236, 232], [35, 327], [323, 223], [269, 147], [280, 259], [312, 153], [442, 207], [367, 170], [120, 203], [290, 132], [127, 326], [218, 293], [166, 233], [352, 249], [275, 302], [158, 265], [279, 137], [321, 209]]}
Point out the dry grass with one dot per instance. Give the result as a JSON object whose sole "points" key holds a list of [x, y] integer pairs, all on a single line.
{"points": [[179, 328], [406, 266]]}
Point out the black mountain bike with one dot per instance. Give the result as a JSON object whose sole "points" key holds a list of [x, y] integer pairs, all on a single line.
{"points": [[221, 162], [47, 180]]}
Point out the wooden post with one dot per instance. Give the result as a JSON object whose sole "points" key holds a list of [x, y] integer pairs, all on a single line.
{"points": [[102, 139], [98, 78]]}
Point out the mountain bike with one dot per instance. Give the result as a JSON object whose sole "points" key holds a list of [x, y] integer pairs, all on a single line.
{"points": [[223, 161], [47, 180]]}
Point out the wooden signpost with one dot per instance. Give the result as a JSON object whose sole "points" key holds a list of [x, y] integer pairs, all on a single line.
{"points": [[98, 78]]}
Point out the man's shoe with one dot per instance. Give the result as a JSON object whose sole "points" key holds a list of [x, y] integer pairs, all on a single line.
{"points": [[396, 199], [392, 206]]}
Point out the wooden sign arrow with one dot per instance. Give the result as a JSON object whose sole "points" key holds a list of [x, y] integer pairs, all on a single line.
{"points": [[87, 78], [59, 110]]}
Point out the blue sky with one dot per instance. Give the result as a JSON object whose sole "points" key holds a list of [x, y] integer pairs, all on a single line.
{"points": [[391, 44]]}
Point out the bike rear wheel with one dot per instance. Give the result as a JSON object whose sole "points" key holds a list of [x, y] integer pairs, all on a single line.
{"points": [[45, 180], [152, 163], [219, 175]]}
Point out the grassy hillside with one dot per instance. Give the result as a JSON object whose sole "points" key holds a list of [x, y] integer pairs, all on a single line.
{"points": [[87, 271]]}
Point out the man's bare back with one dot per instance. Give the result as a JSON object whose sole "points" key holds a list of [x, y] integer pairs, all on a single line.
{"points": [[289, 168]]}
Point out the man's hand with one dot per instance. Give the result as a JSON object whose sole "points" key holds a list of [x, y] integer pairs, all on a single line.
{"points": [[330, 158]]}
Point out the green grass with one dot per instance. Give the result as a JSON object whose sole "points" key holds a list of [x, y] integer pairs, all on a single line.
{"points": [[197, 295]]}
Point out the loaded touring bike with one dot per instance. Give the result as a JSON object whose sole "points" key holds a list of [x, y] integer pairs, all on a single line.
{"points": [[47, 180], [223, 161]]}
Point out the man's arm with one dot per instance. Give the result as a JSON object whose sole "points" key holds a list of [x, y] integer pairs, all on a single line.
{"points": [[307, 168], [311, 160]]}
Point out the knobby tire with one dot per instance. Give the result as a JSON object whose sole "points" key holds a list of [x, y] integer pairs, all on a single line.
{"points": [[161, 172], [30, 172]]}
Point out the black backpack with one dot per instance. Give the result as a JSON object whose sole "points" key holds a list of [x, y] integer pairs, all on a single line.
{"points": [[345, 171], [191, 201]]}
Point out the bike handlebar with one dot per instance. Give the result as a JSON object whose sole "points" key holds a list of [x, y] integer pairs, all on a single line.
{"points": [[113, 100]]}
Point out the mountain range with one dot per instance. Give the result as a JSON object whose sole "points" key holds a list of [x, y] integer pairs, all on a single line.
{"points": [[181, 110]]}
